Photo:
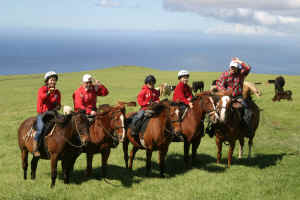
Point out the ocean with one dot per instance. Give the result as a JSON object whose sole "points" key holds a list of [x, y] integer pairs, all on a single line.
{"points": [[36, 52]]}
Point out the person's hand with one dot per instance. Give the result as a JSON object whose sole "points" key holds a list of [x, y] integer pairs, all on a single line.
{"points": [[191, 105], [96, 82], [51, 90], [93, 112]]}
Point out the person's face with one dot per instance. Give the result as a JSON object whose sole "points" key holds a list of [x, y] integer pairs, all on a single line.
{"points": [[150, 85], [51, 82], [185, 79], [233, 70], [88, 84]]}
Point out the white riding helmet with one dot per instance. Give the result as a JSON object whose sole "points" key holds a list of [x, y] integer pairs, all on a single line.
{"points": [[183, 73], [87, 78], [234, 64], [49, 74]]}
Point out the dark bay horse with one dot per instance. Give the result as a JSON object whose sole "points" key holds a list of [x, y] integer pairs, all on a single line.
{"points": [[106, 133], [64, 143], [192, 124], [156, 137], [229, 127]]}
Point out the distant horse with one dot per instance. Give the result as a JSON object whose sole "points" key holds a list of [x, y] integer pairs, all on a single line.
{"points": [[165, 89], [106, 132], [192, 122], [60, 144], [283, 95], [157, 135], [198, 85], [229, 127]]}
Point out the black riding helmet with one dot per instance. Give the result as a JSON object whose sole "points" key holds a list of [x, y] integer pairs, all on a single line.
{"points": [[150, 79]]}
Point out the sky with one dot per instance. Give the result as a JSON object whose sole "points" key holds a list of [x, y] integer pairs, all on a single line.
{"points": [[275, 23], [268, 17]]}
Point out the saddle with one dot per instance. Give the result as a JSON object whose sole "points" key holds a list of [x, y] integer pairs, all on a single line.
{"points": [[139, 125]]}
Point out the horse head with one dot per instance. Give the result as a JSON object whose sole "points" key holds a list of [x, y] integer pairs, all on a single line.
{"points": [[224, 108], [80, 124], [208, 105], [112, 120], [174, 115]]}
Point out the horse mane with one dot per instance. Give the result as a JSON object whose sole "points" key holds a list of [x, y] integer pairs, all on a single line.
{"points": [[63, 120], [158, 108]]}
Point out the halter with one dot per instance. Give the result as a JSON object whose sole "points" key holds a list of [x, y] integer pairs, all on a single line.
{"points": [[78, 133]]}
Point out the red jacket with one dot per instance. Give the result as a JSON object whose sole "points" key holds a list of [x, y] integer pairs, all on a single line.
{"points": [[87, 100], [183, 93], [47, 101], [234, 81], [147, 96]]}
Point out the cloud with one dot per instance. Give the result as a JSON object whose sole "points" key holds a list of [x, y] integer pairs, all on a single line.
{"points": [[276, 15], [109, 3]]}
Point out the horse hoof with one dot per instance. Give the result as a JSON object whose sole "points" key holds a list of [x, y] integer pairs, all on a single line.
{"points": [[162, 176]]}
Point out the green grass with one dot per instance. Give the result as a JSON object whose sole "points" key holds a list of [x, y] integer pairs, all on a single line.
{"points": [[272, 173]]}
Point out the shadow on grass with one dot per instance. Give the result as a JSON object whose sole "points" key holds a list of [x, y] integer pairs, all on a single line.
{"points": [[261, 161], [174, 166]]}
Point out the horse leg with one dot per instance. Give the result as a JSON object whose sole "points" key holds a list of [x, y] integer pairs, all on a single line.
{"points": [[89, 164], [34, 163], [54, 160], [195, 146], [125, 151], [162, 155], [105, 154], [230, 152], [241, 150], [24, 156], [148, 162], [186, 153], [132, 154], [219, 147], [250, 144], [67, 163]]}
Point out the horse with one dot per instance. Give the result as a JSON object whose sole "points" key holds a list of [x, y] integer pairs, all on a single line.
{"points": [[229, 127], [198, 85], [60, 144], [156, 137], [192, 123], [287, 94], [106, 132]]}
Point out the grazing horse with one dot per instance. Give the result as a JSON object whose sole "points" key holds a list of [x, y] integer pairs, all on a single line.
{"points": [[198, 85], [192, 123], [105, 133], [229, 127], [157, 135], [60, 144]]}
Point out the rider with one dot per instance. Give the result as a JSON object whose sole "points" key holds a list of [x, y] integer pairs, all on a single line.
{"points": [[48, 99], [183, 92], [145, 98], [85, 97], [234, 79]]}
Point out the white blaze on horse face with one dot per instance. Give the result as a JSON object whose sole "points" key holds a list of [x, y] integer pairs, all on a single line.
{"points": [[225, 101], [123, 127], [177, 112]]}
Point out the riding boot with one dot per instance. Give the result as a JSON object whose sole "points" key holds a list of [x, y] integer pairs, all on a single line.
{"points": [[35, 151]]}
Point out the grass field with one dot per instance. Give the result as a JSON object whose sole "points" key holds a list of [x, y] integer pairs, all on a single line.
{"points": [[272, 173]]}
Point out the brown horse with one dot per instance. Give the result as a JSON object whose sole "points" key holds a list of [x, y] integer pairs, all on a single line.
{"points": [[192, 124], [60, 144], [229, 127], [157, 135], [105, 133]]}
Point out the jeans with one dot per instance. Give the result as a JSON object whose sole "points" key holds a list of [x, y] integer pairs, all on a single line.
{"points": [[138, 116], [39, 127]]}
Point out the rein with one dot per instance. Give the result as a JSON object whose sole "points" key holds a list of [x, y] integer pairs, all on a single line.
{"points": [[78, 133]]}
